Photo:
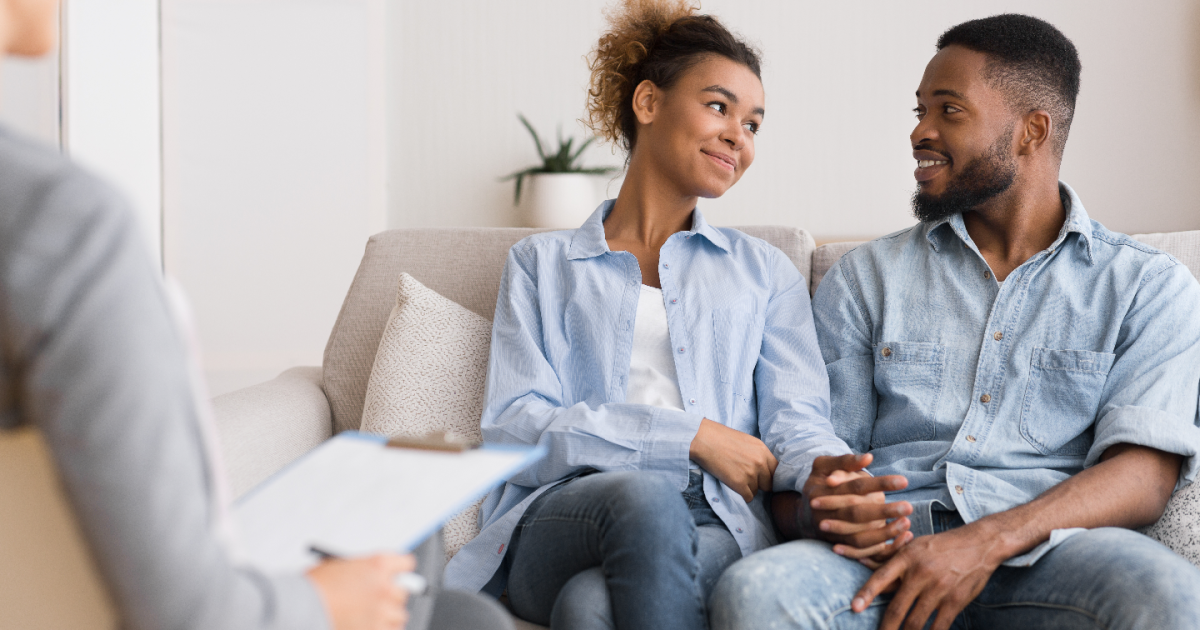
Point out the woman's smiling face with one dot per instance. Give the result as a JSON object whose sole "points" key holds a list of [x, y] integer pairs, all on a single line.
{"points": [[700, 133]]}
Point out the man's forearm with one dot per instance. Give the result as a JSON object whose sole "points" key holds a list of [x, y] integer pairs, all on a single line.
{"points": [[1129, 488]]}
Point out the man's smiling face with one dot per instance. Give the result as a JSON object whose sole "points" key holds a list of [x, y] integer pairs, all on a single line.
{"points": [[963, 141]]}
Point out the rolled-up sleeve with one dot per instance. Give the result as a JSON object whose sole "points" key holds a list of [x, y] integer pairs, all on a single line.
{"points": [[524, 402], [791, 383], [1150, 397]]}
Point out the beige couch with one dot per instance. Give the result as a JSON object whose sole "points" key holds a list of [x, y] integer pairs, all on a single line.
{"points": [[268, 425]]}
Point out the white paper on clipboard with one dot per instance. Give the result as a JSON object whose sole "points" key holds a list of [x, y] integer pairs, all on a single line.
{"points": [[355, 496]]}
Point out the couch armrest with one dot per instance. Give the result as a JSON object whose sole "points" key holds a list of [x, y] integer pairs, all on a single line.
{"points": [[264, 427]]}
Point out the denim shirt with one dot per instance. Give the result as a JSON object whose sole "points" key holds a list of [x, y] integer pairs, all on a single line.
{"points": [[984, 395], [746, 356]]}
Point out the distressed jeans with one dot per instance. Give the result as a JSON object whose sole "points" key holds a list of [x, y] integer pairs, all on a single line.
{"points": [[1109, 578], [618, 550]]}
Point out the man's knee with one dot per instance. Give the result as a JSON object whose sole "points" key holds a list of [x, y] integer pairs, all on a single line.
{"points": [[802, 584], [1119, 578], [1146, 583]]}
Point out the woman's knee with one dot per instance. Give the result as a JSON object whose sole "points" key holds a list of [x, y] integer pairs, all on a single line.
{"points": [[641, 498], [583, 603]]}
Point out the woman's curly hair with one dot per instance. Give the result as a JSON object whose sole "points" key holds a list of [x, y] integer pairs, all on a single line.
{"points": [[656, 41]]}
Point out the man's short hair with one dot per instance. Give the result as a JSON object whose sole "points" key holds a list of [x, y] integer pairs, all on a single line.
{"points": [[1032, 62]]}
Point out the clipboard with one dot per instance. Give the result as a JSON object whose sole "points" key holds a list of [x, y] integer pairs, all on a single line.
{"points": [[356, 495]]}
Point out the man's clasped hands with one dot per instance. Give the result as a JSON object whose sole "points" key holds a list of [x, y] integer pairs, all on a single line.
{"points": [[843, 504]]}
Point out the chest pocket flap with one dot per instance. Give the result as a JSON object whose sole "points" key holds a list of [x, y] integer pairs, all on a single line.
{"points": [[908, 379], [1062, 398]]}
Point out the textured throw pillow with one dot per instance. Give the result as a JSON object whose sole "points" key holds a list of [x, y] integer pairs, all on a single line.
{"points": [[1179, 527], [428, 376]]}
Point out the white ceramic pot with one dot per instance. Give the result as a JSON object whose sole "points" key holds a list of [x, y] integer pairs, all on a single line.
{"points": [[559, 200]]}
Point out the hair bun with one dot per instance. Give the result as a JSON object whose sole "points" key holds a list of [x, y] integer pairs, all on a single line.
{"points": [[656, 41], [634, 26]]}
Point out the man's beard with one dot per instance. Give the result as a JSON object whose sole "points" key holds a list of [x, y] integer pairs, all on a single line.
{"points": [[983, 178]]}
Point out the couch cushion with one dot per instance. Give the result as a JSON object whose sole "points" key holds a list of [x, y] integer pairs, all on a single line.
{"points": [[428, 376], [462, 264], [1183, 245], [824, 258]]}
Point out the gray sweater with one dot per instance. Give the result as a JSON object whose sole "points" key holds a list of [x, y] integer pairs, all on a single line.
{"points": [[90, 355]]}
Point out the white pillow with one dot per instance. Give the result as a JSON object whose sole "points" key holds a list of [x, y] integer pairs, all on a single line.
{"points": [[428, 376], [1179, 527]]}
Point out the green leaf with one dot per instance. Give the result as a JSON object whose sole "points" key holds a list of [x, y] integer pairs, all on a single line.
{"points": [[563, 160], [579, 151], [536, 140]]}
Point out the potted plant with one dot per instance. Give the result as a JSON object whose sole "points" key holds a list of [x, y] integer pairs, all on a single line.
{"points": [[559, 192]]}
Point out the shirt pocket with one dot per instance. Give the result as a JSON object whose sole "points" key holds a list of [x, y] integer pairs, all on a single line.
{"points": [[737, 338], [1061, 399], [908, 379]]}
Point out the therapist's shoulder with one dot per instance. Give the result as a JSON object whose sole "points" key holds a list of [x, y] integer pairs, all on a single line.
{"points": [[42, 192]]}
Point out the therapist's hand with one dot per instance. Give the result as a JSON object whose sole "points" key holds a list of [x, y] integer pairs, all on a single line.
{"points": [[739, 460], [360, 593]]}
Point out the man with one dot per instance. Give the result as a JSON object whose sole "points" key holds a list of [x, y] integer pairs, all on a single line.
{"points": [[1033, 375]]}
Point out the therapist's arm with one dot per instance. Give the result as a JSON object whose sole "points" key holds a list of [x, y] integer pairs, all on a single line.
{"points": [[100, 369]]}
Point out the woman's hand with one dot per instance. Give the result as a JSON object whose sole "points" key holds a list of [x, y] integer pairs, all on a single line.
{"points": [[740, 461], [360, 594]]}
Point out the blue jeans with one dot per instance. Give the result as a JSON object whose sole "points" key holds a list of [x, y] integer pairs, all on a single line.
{"points": [[618, 550], [1108, 578]]}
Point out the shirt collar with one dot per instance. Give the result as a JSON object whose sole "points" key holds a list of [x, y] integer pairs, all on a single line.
{"points": [[589, 241], [1077, 222]]}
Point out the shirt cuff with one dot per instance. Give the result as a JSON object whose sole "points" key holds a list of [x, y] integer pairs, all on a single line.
{"points": [[298, 604], [668, 444], [1153, 428]]}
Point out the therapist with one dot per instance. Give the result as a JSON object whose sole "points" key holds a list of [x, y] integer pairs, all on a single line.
{"points": [[90, 356]]}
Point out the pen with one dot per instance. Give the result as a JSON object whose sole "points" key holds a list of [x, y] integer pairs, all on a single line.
{"points": [[411, 582]]}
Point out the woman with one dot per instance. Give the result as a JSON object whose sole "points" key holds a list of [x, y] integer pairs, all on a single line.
{"points": [[670, 368]]}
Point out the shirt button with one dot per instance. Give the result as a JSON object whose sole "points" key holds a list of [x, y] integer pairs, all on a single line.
{"points": [[987, 275], [692, 401], [666, 266], [986, 398], [887, 352], [958, 489], [739, 530], [716, 499], [676, 301], [971, 438], [681, 351], [998, 336]]}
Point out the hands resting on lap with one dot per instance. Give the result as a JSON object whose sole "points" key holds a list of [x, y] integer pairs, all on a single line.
{"points": [[844, 504]]}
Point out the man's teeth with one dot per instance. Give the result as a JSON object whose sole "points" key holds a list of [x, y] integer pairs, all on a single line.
{"points": [[928, 163]]}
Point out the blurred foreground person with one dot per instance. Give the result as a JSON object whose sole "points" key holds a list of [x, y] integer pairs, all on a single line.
{"points": [[91, 357]]}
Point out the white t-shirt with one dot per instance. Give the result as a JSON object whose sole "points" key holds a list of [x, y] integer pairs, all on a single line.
{"points": [[652, 378]]}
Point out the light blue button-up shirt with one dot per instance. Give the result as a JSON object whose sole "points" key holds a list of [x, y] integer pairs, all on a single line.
{"points": [[984, 395], [745, 351]]}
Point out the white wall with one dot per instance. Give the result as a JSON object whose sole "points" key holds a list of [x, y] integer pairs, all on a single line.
{"points": [[110, 100], [275, 171], [29, 96], [833, 156]]}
